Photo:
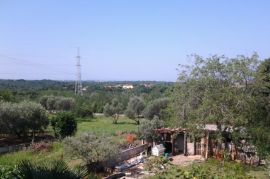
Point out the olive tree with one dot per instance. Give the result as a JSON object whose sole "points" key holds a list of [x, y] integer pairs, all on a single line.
{"points": [[113, 110], [58, 103], [134, 109], [96, 151], [22, 118], [147, 128], [155, 108]]}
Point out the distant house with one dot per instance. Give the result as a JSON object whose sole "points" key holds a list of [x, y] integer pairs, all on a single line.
{"points": [[127, 86]]}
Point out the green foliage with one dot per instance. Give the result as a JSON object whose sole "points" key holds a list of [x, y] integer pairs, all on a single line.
{"points": [[156, 164], [227, 92], [6, 96], [64, 124], [84, 111], [22, 118], [57, 103], [113, 110], [135, 108], [97, 151], [7, 172], [12, 159], [55, 169], [210, 170], [155, 108], [147, 128]]}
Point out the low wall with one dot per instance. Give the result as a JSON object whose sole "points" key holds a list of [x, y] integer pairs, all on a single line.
{"points": [[13, 148], [132, 152]]}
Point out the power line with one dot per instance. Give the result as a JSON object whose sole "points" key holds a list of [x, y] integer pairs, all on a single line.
{"points": [[29, 63]]}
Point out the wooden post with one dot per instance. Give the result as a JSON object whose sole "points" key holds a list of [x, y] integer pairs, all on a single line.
{"points": [[172, 141], [207, 145], [185, 143]]}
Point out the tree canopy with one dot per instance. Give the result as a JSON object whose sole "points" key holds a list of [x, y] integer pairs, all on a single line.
{"points": [[134, 109], [229, 92]]}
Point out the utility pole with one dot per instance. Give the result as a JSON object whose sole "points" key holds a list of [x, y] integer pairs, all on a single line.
{"points": [[78, 83]]}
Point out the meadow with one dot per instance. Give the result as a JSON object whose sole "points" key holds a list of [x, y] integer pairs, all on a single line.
{"points": [[99, 125]]}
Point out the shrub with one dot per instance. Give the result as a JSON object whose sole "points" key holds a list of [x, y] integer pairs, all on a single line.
{"points": [[156, 164], [130, 138], [21, 118], [97, 152], [7, 172], [56, 169], [41, 146], [64, 124]]}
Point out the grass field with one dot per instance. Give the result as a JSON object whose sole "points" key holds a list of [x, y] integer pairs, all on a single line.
{"points": [[102, 124], [97, 125]]}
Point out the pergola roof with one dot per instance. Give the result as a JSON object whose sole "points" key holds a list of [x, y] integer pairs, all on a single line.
{"points": [[170, 130]]}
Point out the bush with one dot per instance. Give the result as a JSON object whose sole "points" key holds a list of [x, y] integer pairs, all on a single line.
{"points": [[56, 169], [22, 118], [156, 164], [97, 152], [64, 124], [7, 172], [210, 169], [41, 146]]}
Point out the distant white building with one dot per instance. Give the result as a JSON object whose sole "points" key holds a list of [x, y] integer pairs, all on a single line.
{"points": [[127, 86]]}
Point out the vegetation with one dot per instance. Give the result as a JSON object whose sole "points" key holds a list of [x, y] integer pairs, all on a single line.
{"points": [[211, 169], [57, 103], [22, 118], [64, 124], [147, 129], [97, 151], [229, 92], [113, 110], [55, 169], [134, 109], [156, 108]]}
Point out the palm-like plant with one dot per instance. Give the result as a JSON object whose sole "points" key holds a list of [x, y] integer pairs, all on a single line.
{"points": [[52, 170]]}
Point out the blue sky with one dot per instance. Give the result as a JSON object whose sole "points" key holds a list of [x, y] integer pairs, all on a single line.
{"points": [[125, 39]]}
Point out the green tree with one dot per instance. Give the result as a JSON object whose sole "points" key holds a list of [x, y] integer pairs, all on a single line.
{"points": [[155, 108], [147, 129], [134, 109], [6, 96], [64, 124], [113, 110], [22, 118], [216, 90]]}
